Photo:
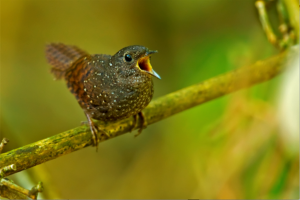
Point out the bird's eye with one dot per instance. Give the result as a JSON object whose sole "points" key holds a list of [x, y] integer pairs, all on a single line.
{"points": [[128, 57]]}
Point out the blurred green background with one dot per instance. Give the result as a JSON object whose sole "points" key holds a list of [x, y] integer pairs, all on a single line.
{"points": [[235, 147]]}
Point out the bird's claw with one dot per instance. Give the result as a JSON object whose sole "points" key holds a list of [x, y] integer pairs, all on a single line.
{"points": [[143, 122], [84, 123], [95, 130], [134, 123], [95, 133]]}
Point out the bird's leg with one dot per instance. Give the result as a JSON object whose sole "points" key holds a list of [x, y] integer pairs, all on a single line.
{"points": [[94, 130], [143, 122], [84, 123], [134, 122]]}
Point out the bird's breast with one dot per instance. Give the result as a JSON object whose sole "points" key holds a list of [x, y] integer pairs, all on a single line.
{"points": [[119, 98]]}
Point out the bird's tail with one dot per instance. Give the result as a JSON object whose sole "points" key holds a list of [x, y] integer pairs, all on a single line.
{"points": [[61, 57]]}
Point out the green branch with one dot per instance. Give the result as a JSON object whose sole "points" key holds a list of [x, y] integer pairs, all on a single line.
{"points": [[166, 106]]}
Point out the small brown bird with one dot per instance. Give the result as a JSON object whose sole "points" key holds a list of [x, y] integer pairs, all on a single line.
{"points": [[108, 88]]}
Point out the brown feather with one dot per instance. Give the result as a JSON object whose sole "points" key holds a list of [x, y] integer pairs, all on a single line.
{"points": [[62, 57]]}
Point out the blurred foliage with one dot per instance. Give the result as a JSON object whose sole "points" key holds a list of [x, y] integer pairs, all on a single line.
{"points": [[228, 148]]}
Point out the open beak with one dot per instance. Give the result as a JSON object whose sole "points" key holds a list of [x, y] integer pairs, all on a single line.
{"points": [[144, 64]]}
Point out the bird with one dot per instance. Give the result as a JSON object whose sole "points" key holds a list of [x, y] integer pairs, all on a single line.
{"points": [[108, 88]]}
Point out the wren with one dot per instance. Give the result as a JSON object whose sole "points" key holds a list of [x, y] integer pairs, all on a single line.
{"points": [[108, 88]]}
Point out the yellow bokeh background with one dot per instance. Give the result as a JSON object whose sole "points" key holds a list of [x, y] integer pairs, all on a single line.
{"points": [[230, 148]]}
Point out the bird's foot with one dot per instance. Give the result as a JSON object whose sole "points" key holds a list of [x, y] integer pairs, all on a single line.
{"points": [[84, 123], [134, 122], [143, 123], [95, 130]]}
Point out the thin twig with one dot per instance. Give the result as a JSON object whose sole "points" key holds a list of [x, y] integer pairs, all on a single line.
{"points": [[287, 24], [36, 189], [80, 137], [7, 169], [3, 143], [293, 15], [12, 191], [264, 19], [7, 192], [29, 193]]}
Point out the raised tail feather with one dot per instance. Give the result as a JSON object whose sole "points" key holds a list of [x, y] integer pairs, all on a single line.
{"points": [[61, 57]]}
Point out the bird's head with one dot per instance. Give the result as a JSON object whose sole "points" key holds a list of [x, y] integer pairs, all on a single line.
{"points": [[136, 58]]}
